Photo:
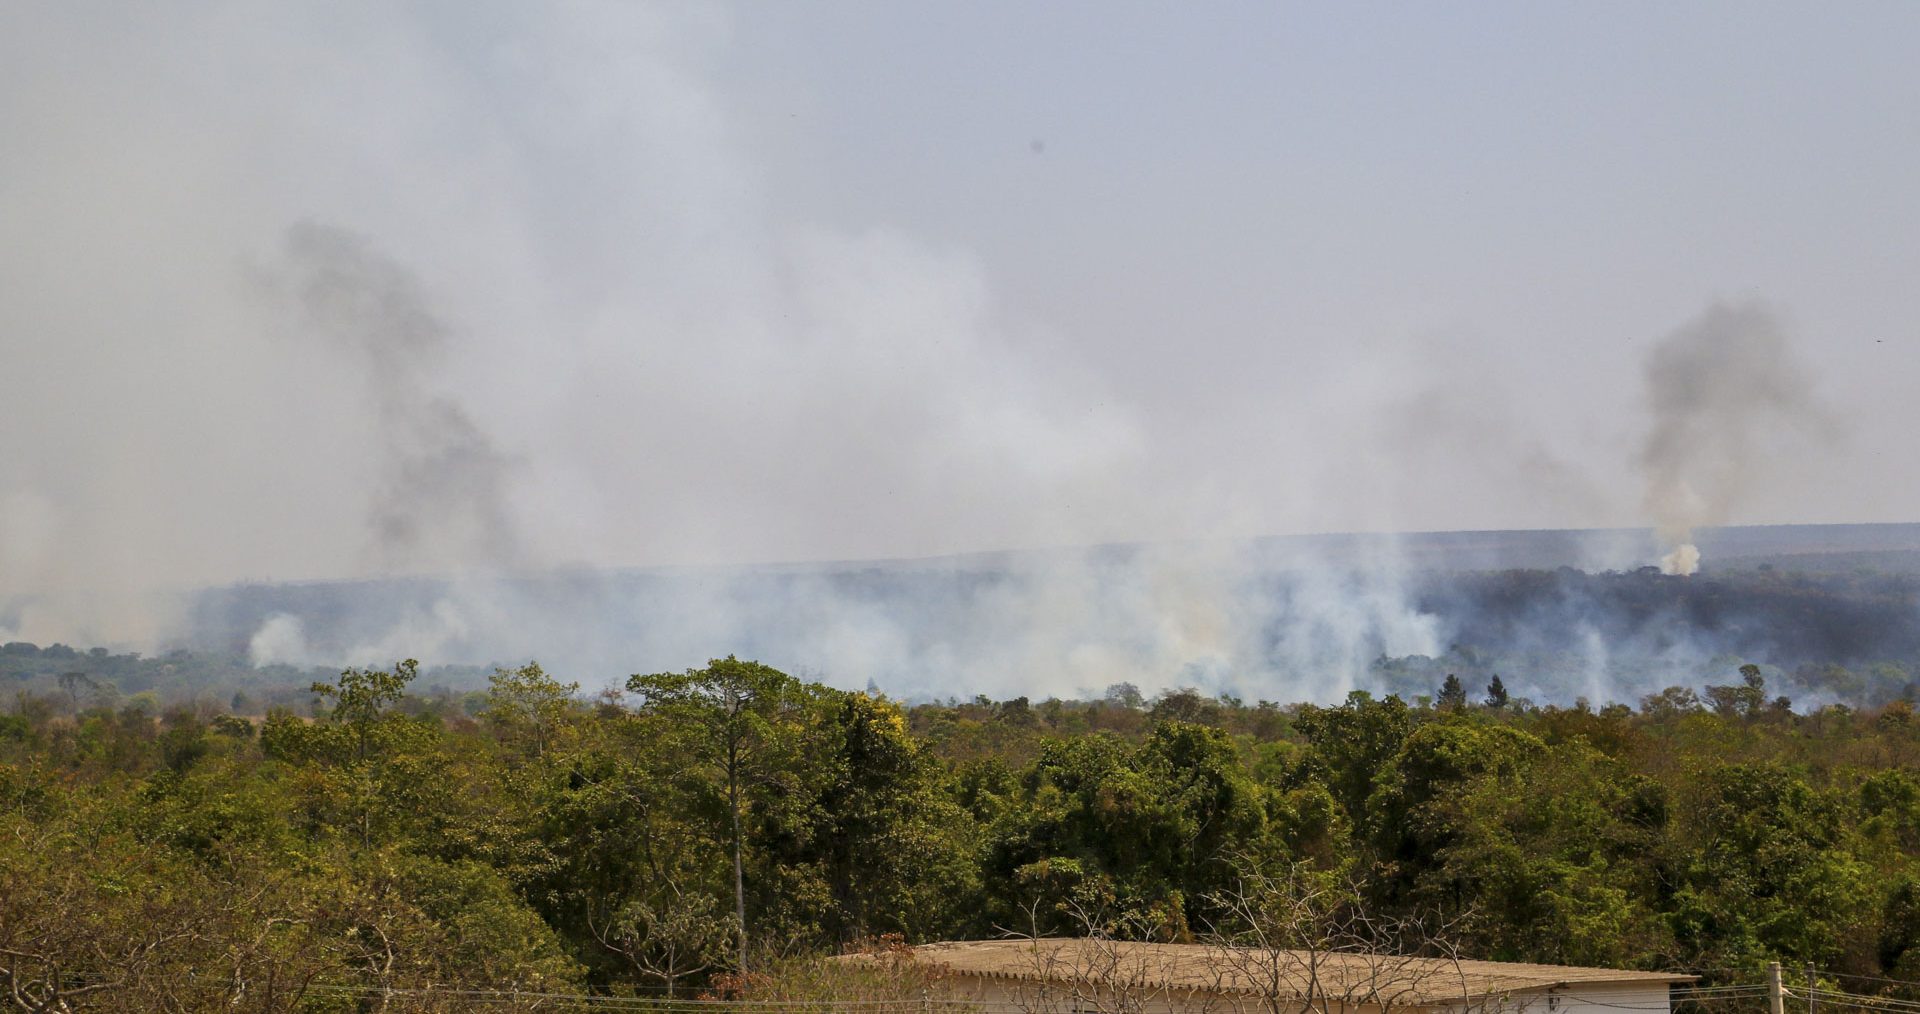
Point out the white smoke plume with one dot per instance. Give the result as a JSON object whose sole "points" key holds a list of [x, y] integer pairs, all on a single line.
{"points": [[1683, 559], [281, 640], [1290, 620], [1724, 389]]}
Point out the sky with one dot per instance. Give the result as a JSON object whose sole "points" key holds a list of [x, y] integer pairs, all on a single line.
{"points": [[300, 291]]}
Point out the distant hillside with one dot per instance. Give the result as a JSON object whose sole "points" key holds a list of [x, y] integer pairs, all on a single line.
{"points": [[1803, 547], [1559, 613]]}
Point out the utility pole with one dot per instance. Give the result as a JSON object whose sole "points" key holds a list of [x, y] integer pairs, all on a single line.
{"points": [[1810, 985], [1776, 1001]]}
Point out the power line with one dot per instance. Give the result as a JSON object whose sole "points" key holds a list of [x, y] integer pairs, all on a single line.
{"points": [[1871, 978]]}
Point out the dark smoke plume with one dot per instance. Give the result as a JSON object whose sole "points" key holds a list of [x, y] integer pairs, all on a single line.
{"points": [[1720, 387], [442, 491]]}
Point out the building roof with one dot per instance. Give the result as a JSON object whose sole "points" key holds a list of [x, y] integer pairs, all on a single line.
{"points": [[1376, 979]]}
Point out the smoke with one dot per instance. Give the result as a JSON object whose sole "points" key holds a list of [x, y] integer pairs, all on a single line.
{"points": [[440, 494], [1722, 388], [1292, 619], [1683, 560], [281, 640], [513, 322]]}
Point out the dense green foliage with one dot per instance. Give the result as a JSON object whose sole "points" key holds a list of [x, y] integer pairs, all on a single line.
{"points": [[529, 839]]}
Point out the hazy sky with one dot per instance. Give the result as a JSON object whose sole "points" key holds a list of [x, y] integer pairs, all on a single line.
{"points": [[705, 283]]}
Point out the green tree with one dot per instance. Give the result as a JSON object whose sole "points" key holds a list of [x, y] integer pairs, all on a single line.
{"points": [[376, 766], [1415, 813], [1740, 700], [737, 709], [625, 857], [1125, 695], [893, 843], [1773, 870], [1350, 744], [527, 706], [1496, 693], [1129, 834], [1453, 696]]}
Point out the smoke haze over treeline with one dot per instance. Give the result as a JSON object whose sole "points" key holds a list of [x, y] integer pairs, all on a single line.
{"points": [[1825, 609], [480, 332]]}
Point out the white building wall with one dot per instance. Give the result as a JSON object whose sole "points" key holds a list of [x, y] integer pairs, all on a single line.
{"points": [[1582, 998]]}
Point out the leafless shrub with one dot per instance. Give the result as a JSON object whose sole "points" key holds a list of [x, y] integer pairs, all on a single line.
{"points": [[1302, 941]]}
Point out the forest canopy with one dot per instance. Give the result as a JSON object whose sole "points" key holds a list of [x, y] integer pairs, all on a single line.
{"points": [[383, 835]]}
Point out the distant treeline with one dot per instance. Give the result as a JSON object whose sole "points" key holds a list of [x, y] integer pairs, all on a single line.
{"points": [[98, 678], [1851, 637], [1848, 635], [1553, 636], [529, 838]]}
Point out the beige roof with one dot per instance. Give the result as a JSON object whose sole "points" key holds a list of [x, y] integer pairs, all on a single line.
{"points": [[1353, 978]]}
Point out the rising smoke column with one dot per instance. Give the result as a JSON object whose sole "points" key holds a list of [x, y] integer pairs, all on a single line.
{"points": [[439, 497], [1719, 388], [442, 492]]}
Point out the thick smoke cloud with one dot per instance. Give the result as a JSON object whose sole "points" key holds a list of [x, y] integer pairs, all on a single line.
{"points": [[1724, 389], [451, 297], [1289, 619]]}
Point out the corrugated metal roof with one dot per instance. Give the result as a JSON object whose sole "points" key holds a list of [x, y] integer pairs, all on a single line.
{"points": [[1355, 978]]}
